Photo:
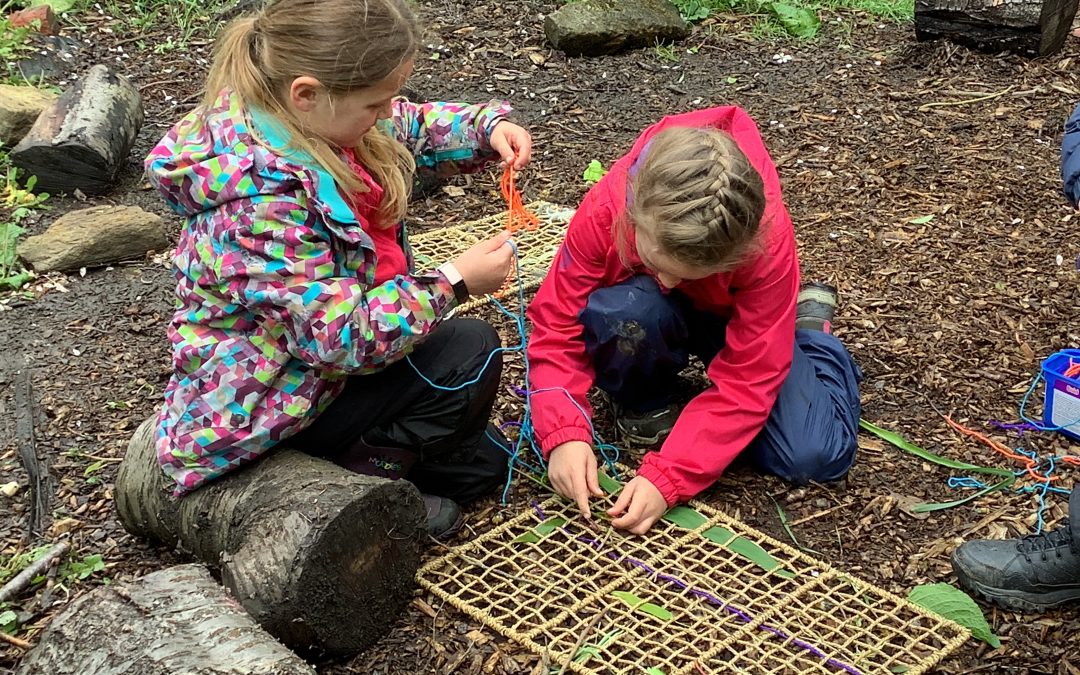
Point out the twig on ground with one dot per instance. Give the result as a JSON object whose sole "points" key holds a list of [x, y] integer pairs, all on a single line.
{"points": [[11, 639], [977, 99], [21, 580], [581, 640], [815, 516]]}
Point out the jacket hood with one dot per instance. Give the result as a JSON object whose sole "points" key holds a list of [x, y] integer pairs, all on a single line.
{"points": [[212, 157]]}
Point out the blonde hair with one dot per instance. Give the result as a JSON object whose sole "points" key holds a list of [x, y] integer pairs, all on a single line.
{"points": [[346, 45], [698, 197]]}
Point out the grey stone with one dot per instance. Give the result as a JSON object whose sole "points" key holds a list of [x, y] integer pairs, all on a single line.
{"points": [[19, 107], [592, 27], [99, 235]]}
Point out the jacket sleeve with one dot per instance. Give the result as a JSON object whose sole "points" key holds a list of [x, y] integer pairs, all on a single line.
{"points": [[746, 374], [1070, 159], [560, 372], [447, 138], [281, 267]]}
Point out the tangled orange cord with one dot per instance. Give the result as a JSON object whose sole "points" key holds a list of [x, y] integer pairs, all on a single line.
{"points": [[518, 217], [1029, 463]]}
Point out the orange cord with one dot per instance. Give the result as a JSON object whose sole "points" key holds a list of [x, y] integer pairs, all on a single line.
{"points": [[518, 217], [1073, 370], [1028, 463]]}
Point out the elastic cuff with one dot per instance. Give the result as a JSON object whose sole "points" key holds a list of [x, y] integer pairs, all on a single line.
{"points": [[563, 435], [657, 477]]}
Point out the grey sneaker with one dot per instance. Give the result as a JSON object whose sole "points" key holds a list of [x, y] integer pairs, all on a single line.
{"points": [[1030, 574], [444, 517], [648, 428]]}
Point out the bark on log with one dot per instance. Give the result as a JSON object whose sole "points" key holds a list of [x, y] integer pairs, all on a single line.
{"points": [[1028, 27], [80, 141], [176, 621], [324, 559]]}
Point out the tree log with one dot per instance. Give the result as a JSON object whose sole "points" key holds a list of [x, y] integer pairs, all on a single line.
{"points": [[323, 558], [176, 621], [1027, 27], [80, 141]]}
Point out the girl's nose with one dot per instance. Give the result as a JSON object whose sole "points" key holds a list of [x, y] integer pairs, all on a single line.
{"points": [[668, 280]]}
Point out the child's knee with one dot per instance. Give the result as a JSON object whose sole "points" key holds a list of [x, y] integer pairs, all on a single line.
{"points": [[821, 459]]}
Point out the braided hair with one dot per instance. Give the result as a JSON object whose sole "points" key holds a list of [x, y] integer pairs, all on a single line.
{"points": [[698, 197]]}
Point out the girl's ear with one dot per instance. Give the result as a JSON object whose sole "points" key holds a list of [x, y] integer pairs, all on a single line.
{"points": [[304, 92]]}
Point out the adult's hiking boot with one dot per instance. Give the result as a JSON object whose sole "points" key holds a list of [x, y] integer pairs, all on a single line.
{"points": [[1031, 574], [815, 306], [444, 517], [646, 429]]}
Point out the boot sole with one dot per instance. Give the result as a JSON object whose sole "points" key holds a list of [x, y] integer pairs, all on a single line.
{"points": [[1018, 601]]}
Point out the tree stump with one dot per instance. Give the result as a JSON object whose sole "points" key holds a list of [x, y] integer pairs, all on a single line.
{"points": [[176, 621], [324, 559], [80, 141], [1027, 27]]}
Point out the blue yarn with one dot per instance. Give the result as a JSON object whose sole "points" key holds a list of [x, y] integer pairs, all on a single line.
{"points": [[608, 452]]}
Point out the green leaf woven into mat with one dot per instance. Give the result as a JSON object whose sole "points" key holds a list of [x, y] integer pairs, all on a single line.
{"points": [[685, 517], [639, 605], [956, 605], [542, 530], [608, 484]]}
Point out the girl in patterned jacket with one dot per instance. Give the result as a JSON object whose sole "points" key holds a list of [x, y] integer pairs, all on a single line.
{"points": [[685, 247], [298, 318]]}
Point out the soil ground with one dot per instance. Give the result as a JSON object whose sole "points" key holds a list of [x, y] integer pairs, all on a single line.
{"points": [[870, 131]]}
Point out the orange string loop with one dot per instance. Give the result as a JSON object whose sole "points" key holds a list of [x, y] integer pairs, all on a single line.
{"points": [[517, 217], [1028, 463]]}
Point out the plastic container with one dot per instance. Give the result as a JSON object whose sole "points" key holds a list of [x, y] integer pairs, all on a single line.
{"points": [[1062, 403]]}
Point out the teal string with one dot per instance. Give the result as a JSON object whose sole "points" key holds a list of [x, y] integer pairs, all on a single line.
{"points": [[526, 433]]}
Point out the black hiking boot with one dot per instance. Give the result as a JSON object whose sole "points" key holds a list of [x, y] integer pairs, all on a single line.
{"points": [[815, 306], [444, 517], [1031, 574], [646, 429]]}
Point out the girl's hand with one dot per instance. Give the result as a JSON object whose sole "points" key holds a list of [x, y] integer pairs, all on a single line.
{"points": [[513, 144], [484, 267], [572, 472], [639, 506]]}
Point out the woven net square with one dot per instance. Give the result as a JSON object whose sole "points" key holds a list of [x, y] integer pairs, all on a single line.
{"points": [[708, 594], [536, 248]]}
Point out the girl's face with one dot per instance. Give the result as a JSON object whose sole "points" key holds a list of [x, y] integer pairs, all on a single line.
{"points": [[343, 120], [669, 272]]}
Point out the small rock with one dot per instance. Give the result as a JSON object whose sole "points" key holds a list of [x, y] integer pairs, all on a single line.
{"points": [[64, 526], [48, 24], [96, 236], [54, 58], [592, 27], [19, 107], [9, 489]]}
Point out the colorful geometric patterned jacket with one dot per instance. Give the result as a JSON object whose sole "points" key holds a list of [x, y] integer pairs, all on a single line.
{"points": [[275, 304]]}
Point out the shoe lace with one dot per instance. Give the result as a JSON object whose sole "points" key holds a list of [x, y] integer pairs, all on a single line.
{"points": [[1046, 541]]}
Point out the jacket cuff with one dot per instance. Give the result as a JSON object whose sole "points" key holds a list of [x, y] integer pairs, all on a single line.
{"points": [[564, 435], [494, 112], [655, 475]]}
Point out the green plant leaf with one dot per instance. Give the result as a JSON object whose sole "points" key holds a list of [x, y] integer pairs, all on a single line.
{"points": [[594, 172], [954, 604], [550, 525], [656, 611], [927, 507], [59, 6], [685, 517], [902, 443], [898, 669], [628, 597], [9, 621], [719, 535], [654, 671], [607, 483], [797, 21], [759, 556], [921, 220], [93, 468]]}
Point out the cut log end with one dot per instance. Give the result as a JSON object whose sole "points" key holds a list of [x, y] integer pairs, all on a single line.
{"points": [[322, 558]]}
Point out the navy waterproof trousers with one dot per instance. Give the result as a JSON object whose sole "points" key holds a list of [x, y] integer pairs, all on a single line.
{"points": [[639, 340]]}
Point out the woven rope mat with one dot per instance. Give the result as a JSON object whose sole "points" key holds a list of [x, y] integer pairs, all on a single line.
{"points": [[681, 601], [536, 248]]}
